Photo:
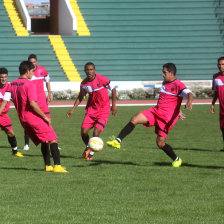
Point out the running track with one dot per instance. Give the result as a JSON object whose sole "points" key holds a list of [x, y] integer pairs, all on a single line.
{"points": [[127, 103]]}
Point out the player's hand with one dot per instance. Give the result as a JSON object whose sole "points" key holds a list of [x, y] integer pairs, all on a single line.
{"points": [[49, 98], [182, 116], [69, 113], [114, 110], [212, 109], [188, 106], [48, 120]]}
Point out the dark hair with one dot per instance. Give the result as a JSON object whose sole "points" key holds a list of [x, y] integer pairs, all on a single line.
{"points": [[25, 66], [3, 71], [32, 56], [170, 67], [221, 58], [88, 63]]}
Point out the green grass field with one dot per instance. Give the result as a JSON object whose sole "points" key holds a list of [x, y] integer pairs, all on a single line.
{"points": [[135, 184]]}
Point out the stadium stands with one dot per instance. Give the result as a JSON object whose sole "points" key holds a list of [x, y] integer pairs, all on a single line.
{"points": [[130, 39], [15, 49]]}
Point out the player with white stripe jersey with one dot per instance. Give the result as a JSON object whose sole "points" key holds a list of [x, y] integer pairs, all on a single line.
{"points": [[218, 88], [40, 75], [98, 105], [164, 115]]}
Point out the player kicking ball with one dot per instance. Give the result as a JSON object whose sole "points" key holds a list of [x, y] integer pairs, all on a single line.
{"points": [[36, 124], [5, 121], [98, 105], [164, 115]]}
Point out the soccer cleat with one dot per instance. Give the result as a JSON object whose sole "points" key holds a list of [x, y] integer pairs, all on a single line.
{"points": [[86, 153], [89, 156], [114, 143], [26, 147], [49, 168], [19, 154], [59, 169], [177, 163]]}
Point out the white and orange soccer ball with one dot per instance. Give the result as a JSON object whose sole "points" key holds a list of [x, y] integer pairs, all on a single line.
{"points": [[95, 144]]}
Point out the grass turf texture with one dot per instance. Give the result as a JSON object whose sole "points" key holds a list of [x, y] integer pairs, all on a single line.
{"points": [[135, 184]]}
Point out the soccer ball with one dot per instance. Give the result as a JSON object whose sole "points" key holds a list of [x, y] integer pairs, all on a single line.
{"points": [[96, 144]]}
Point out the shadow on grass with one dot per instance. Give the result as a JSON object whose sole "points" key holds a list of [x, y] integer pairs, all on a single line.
{"points": [[99, 162], [189, 165], [5, 147], [194, 149], [20, 168]]}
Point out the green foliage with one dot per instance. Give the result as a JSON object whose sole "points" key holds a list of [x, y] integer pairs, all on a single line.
{"points": [[135, 184]]}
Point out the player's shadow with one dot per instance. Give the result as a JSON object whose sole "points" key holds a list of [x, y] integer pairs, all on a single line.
{"points": [[194, 149], [99, 162], [189, 165], [30, 155], [5, 147], [20, 168]]}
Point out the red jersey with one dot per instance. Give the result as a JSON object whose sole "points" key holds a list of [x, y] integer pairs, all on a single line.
{"points": [[98, 100], [39, 76], [218, 86], [170, 99], [22, 91], [2, 93]]}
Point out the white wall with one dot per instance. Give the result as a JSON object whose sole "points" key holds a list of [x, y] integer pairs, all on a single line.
{"points": [[67, 19], [24, 14]]}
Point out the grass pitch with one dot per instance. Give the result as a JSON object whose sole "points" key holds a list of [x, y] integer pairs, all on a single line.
{"points": [[135, 184]]}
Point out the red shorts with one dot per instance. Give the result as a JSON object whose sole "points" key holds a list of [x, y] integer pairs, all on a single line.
{"points": [[221, 120], [162, 127], [98, 121], [5, 122], [39, 131]]}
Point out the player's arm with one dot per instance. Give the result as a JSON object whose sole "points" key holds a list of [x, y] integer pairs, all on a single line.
{"points": [[114, 99], [3, 105], [37, 110], [48, 86], [6, 99], [77, 102], [215, 97], [189, 101], [49, 97]]}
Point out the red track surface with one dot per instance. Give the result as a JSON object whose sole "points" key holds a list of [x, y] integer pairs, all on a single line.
{"points": [[133, 102]]}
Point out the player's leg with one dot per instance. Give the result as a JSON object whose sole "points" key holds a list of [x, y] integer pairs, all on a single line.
{"points": [[161, 143], [135, 120], [27, 141], [85, 139], [89, 153], [12, 141], [46, 156], [56, 157]]}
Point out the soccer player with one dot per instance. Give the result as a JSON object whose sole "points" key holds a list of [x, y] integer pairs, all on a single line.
{"points": [[164, 115], [35, 122], [98, 105], [40, 76], [5, 122], [218, 88]]}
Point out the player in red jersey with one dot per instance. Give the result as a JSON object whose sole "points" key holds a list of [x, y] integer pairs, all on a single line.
{"points": [[218, 88], [98, 105], [164, 115], [5, 122], [40, 75], [35, 122]]}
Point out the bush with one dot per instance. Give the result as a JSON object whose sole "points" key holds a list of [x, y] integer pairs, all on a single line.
{"points": [[135, 94]]}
